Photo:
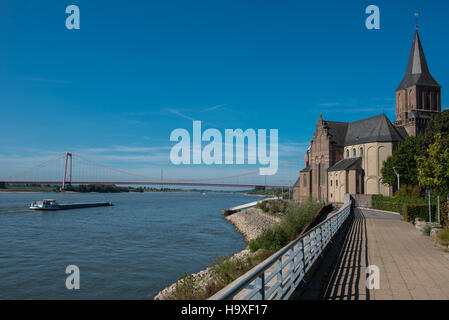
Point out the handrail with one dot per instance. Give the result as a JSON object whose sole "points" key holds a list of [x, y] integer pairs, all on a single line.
{"points": [[292, 263]]}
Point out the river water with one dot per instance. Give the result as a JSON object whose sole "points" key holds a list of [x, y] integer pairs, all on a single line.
{"points": [[137, 247]]}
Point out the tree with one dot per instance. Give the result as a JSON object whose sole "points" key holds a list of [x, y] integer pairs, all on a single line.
{"points": [[439, 123], [433, 168], [404, 156], [403, 159]]}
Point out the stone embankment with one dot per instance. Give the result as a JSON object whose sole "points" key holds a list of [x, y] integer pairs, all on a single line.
{"points": [[250, 223]]}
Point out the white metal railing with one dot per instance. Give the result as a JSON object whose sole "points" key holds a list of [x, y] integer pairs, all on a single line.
{"points": [[278, 276]]}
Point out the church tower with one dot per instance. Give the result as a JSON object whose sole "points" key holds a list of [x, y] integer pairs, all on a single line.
{"points": [[418, 96]]}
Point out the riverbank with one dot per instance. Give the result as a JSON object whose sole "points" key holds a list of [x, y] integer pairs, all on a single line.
{"points": [[57, 191], [250, 223], [253, 222], [202, 279]]}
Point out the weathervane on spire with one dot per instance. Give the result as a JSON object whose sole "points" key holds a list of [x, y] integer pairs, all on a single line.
{"points": [[416, 18]]}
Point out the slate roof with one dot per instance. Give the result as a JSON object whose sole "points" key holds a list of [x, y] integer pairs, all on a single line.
{"points": [[417, 72], [347, 164], [306, 169], [297, 183], [374, 129], [402, 132], [337, 131]]}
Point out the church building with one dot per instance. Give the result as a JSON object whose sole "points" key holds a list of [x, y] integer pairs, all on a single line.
{"points": [[347, 157]]}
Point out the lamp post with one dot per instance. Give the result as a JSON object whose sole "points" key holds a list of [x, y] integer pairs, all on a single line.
{"points": [[397, 174]]}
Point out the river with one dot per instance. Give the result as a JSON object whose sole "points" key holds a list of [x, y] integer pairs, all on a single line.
{"points": [[137, 247]]}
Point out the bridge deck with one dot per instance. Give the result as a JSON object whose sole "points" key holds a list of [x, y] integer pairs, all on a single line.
{"points": [[411, 267]]}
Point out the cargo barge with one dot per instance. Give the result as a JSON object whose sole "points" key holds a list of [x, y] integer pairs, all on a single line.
{"points": [[51, 204]]}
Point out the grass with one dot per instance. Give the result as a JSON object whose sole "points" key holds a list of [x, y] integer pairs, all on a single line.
{"points": [[223, 271], [297, 216], [187, 289], [443, 237], [226, 269]]}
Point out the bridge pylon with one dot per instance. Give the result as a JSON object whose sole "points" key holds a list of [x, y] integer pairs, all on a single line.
{"points": [[68, 155]]}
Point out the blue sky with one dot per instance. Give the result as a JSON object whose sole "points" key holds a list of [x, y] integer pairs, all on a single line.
{"points": [[136, 70]]}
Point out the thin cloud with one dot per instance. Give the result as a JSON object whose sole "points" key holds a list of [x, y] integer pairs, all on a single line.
{"points": [[218, 106], [179, 114]]}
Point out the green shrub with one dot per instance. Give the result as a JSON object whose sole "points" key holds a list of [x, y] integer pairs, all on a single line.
{"points": [[427, 230], [226, 269], [297, 216], [408, 191], [223, 271], [273, 206], [444, 213], [413, 211], [272, 239], [262, 205], [443, 237], [187, 289]]}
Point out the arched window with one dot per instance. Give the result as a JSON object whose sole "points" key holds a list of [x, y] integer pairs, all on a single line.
{"points": [[434, 101], [347, 153], [424, 97], [336, 183], [331, 183], [354, 153], [361, 151]]}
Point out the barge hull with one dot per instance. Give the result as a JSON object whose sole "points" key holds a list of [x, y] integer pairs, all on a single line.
{"points": [[68, 206]]}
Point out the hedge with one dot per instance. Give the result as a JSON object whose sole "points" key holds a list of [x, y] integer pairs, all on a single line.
{"points": [[394, 204], [413, 211], [387, 205]]}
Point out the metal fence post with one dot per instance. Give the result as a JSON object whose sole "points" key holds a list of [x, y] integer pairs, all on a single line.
{"points": [[263, 285]]}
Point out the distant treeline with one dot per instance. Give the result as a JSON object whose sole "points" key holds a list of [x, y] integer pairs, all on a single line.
{"points": [[110, 188], [270, 192], [102, 188]]}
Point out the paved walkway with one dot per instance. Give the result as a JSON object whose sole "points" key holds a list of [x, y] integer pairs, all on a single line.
{"points": [[411, 266]]}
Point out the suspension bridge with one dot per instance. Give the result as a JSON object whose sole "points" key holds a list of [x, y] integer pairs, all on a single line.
{"points": [[62, 170]]}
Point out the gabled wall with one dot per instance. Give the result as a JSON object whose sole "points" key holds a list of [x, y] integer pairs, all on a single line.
{"points": [[373, 155]]}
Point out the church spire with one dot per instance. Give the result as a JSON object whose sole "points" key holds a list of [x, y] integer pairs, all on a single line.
{"points": [[418, 97], [417, 72]]}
